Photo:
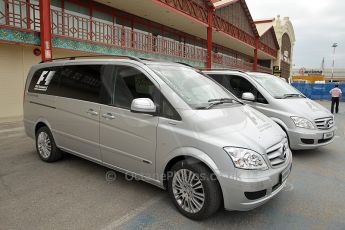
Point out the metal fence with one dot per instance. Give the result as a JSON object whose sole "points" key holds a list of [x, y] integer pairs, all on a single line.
{"points": [[318, 91]]}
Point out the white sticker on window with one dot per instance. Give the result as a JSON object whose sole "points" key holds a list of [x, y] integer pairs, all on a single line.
{"points": [[44, 80]]}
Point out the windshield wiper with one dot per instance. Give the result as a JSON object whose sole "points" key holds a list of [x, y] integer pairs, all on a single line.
{"points": [[220, 101], [292, 95]]}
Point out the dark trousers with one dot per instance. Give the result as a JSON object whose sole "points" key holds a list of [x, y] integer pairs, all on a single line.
{"points": [[335, 101]]}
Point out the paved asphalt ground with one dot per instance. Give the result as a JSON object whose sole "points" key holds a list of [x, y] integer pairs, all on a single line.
{"points": [[75, 194]]}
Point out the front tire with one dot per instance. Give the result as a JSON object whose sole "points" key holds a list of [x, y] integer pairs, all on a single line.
{"points": [[45, 145], [194, 190]]}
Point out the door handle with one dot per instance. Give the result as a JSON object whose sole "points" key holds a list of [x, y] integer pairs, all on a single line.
{"points": [[92, 112], [108, 116]]}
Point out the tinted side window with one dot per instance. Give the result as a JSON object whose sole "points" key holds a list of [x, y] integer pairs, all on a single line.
{"points": [[168, 111], [81, 82], [130, 84], [45, 81], [239, 85], [218, 78], [107, 89]]}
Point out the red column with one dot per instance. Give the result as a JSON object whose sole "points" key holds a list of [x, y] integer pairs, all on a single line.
{"points": [[132, 32], [28, 17], [90, 13], [255, 65], [7, 12], [63, 16], [46, 36], [209, 37]]}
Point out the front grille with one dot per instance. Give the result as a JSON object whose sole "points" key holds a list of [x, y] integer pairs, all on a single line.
{"points": [[324, 123], [277, 154]]}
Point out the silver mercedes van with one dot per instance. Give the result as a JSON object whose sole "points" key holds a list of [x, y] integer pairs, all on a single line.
{"points": [[307, 124], [161, 122]]}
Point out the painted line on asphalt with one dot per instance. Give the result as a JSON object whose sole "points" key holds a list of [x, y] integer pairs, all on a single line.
{"points": [[13, 135], [117, 223], [12, 130]]}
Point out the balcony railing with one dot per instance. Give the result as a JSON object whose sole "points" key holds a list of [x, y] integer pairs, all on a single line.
{"points": [[92, 30], [222, 25], [265, 48], [25, 16], [19, 14], [188, 7], [264, 69], [228, 61]]}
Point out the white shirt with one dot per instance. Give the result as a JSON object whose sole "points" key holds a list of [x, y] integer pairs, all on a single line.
{"points": [[335, 92]]}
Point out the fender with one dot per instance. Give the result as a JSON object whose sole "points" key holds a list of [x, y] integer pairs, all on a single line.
{"points": [[190, 152], [280, 122], [45, 121]]}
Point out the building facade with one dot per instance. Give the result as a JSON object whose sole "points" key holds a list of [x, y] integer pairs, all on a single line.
{"points": [[201, 33], [285, 37], [318, 75]]}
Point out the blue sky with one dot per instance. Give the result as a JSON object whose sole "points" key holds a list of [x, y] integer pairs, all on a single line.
{"points": [[317, 24]]}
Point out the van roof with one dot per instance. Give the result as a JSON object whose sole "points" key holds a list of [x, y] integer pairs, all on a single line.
{"points": [[221, 70], [113, 57]]}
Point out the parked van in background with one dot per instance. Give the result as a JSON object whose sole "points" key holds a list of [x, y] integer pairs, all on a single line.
{"points": [[162, 122], [307, 124]]}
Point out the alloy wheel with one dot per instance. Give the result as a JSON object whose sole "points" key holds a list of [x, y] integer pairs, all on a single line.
{"points": [[44, 145], [188, 190]]}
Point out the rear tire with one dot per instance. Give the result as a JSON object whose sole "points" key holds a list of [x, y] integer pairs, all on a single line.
{"points": [[194, 190], [46, 147]]}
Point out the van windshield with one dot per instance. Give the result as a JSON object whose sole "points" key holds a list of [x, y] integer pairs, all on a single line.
{"points": [[197, 90], [278, 88]]}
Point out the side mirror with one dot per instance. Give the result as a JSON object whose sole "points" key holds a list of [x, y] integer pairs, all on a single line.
{"points": [[248, 97], [143, 105]]}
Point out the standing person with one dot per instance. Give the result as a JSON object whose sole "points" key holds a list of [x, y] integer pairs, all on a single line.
{"points": [[336, 95]]}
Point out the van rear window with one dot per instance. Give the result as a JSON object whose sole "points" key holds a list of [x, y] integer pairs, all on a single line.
{"points": [[45, 81], [82, 82]]}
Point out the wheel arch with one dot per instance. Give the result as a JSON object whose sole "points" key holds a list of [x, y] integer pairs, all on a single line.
{"points": [[192, 156], [281, 124], [41, 123]]}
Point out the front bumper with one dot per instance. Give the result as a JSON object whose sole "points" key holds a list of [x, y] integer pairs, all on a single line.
{"points": [[234, 189], [309, 138]]}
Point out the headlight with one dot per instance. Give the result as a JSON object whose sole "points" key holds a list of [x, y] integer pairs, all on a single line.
{"points": [[303, 123], [246, 159]]}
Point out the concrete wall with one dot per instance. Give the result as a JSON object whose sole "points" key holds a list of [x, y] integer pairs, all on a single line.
{"points": [[15, 62]]}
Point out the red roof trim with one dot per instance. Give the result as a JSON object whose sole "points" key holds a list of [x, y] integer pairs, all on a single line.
{"points": [[246, 10], [264, 21]]}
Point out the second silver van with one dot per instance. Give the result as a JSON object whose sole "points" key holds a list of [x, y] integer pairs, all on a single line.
{"points": [[307, 124]]}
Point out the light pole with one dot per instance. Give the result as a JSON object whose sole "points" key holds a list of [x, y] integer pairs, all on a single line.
{"points": [[335, 45]]}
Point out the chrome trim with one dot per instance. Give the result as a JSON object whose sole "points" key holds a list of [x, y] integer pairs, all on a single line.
{"points": [[277, 154], [48, 106], [324, 123]]}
